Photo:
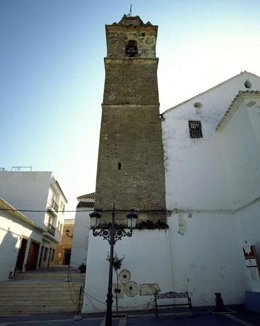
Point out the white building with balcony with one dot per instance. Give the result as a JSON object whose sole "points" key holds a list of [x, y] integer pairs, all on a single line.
{"points": [[40, 197]]}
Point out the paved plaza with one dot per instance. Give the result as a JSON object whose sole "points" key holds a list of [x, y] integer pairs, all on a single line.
{"points": [[201, 318]]}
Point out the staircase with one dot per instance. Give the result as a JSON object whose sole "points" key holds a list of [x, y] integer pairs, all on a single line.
{"points": [[54, 290]]}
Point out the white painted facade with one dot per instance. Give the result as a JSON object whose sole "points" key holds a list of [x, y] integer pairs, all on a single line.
{"points": [[81, 230], [213, 188], [147, 261], [39, 195], [14, 227]]}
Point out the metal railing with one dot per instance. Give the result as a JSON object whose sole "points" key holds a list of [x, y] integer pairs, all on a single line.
{"points": [[55, 206], [51, 229]]}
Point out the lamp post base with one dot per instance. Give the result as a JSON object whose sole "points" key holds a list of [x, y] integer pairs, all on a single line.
{"points": [[109, 309]]}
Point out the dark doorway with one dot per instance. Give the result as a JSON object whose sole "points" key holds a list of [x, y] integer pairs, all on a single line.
{"points": [[67, 253], [41, 256], [21, 255], [32, 256]]}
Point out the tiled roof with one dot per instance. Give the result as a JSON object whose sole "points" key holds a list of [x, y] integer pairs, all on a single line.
{"points": [[236, 98], [87, 196], [83, 204]]}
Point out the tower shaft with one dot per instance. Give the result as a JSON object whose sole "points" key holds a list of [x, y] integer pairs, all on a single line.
{"points": [[130, 163]]}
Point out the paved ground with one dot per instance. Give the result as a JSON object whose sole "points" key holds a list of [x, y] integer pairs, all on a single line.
{"points": [[201, 318]]}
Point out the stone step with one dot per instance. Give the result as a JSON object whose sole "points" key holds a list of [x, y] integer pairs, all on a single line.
{"points": [[47, 280], [11, 310], [49, 276], [17, 296], [36, 309], [40, 294], [47, 283], [39, 285]]}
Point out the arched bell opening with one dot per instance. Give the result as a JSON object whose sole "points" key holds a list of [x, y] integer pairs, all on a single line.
{"points": [[131, 49]]}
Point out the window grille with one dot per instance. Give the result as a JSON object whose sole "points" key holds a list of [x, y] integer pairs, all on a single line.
{"points": [[195, 129]]}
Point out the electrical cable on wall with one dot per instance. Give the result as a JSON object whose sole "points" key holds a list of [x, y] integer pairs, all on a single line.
{"points": [[74, 211]]}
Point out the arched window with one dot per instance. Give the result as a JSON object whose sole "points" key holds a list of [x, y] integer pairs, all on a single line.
{"points": [[131, 49]]}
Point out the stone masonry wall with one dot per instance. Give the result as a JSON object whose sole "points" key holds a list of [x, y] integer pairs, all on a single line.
{"points": [[131, 81], [130, 164], [130, 170]]}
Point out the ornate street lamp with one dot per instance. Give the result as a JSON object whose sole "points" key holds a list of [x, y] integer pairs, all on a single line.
{"points": [[111, 233]]}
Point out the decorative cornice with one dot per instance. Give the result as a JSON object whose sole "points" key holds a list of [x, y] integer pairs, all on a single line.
{"points": [[234, 106]]}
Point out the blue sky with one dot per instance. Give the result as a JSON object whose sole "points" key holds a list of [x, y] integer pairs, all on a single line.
{"points": [[52, 71]]}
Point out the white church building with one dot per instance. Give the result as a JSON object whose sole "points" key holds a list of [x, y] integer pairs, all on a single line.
{"points": [[212, 168]]}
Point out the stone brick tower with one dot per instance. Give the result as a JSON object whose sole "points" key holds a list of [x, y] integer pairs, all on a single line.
{"points": [[130, 163]]}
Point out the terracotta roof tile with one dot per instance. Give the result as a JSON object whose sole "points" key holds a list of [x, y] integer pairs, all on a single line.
{"points": [[87, 196], [83, 204]]}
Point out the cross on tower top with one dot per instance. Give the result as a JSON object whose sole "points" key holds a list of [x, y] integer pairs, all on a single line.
{"points": [[130, 13]]}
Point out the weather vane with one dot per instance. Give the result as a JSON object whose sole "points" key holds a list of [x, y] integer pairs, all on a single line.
{"points": [[130, 13]]}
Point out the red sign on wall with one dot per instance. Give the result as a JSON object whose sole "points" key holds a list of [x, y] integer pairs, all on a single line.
{"points": [[250, 256], [251, 263]]}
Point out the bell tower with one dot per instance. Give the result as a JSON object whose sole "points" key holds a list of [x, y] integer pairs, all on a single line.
{"points": [[130, 170]]}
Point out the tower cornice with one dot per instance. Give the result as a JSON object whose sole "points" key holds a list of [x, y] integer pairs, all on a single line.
{"points": [[130, 60]]}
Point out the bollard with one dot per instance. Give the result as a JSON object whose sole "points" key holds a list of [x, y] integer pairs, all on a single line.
{"points": [[219, 302]]}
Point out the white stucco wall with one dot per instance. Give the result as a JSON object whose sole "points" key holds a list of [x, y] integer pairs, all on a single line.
{"points": [[253, 108], [146, 255], [206, 257], [26, 190], [240, 139], [81, 237], [248, 224], [212, 189], [11, 233], [241, 150], [196, 170]]}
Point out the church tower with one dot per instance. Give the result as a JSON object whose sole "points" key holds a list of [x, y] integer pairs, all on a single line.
{"points": [[130, 170]]}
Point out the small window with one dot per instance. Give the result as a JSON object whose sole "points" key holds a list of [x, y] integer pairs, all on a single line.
{"points": [[131, 49], [195, 129]]}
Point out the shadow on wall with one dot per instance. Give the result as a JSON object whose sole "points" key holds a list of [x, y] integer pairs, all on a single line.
{"points": [[8, 254]]}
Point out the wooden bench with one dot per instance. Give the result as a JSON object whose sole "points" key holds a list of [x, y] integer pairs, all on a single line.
{"points": [[183, 297]]}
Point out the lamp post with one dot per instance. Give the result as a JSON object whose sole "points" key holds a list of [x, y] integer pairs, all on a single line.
{"points": [[111, 233]]}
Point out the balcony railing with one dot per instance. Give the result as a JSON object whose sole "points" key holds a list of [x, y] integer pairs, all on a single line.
{"points": [[51, 229], [55, 206]]}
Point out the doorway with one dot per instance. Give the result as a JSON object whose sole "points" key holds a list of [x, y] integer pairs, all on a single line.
{"points": [[67, 254], [32, 256], [21, 255]]}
